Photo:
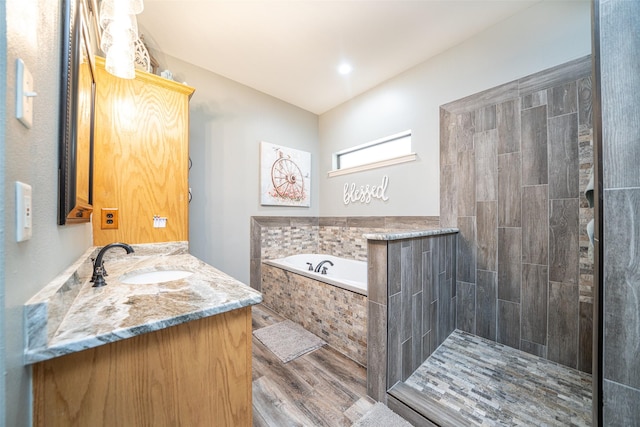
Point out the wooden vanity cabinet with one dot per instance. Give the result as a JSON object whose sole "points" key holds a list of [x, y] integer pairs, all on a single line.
{"points": [[141, 157], [194, 374]]}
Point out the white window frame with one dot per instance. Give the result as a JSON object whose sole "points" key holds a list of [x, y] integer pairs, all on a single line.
{"points": [[407, 157]]}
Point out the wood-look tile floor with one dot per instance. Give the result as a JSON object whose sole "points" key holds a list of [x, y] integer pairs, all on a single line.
{"points": [[321, 388], [490, 384]]}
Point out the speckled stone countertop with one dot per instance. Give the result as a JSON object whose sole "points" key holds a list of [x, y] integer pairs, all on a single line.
{"points": [[409, 234], [69, 315]]}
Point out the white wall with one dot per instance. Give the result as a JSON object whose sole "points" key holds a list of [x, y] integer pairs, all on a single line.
{"points": [[543, 36], [228, 121], [31, 156]]}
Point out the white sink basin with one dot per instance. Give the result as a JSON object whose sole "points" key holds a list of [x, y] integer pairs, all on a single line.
{"points": [[157, 276]]}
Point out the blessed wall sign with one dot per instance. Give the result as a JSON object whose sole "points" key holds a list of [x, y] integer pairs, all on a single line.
{"points": [[365, 193]]}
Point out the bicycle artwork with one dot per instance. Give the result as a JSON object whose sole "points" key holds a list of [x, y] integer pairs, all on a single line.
{"points": [[284, 176]]}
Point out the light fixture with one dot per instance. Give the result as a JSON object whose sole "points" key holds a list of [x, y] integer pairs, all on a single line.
{"points": [[345, 69], [118, 20]]}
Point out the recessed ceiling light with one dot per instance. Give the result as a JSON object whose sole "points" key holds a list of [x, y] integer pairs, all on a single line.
{"points": [[345, 69]]}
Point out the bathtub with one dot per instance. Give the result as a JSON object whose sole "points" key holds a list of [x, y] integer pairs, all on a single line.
{"points": [[332, 306], [344, 273]]}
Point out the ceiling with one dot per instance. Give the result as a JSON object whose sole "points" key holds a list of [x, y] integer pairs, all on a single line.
{"points": [[291, 49]]}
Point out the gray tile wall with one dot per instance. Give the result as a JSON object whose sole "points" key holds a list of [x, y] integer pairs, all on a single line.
{"points": [[412, 306], [619, 55], [515, 161]]}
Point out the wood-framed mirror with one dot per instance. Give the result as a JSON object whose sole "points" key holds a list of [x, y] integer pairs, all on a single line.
{"points": [[77, 112]]}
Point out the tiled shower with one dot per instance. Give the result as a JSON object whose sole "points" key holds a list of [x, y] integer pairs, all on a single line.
{"points": [[515, 163]]}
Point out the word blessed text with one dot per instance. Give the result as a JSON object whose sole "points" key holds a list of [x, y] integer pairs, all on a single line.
{"points": [[365, 193]]}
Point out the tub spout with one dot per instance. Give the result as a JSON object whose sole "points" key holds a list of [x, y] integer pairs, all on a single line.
{"points": [[319, 266]]}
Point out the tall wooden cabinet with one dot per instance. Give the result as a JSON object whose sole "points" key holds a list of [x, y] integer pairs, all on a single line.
{"points": [[141, 157]]}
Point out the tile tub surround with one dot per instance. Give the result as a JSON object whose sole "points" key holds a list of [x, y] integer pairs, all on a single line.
{"points": [[514, 164], [69, 315], [336, 315], [278, 237], [411, 302]]}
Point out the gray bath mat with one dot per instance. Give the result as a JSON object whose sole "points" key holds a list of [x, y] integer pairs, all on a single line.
{"points": [[381, 416], [288, 340]]}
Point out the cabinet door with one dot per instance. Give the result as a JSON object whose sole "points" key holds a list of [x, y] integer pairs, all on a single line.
{"points": [[141, 157], [194, 374]]}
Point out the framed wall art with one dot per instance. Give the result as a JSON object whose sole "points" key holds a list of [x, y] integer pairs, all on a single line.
{"points": [[285, 176]]}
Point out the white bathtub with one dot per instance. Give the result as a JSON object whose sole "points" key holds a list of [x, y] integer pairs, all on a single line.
{"points": [[345, 273]]}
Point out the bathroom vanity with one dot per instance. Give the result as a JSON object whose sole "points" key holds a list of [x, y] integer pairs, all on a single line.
{"points": [[161, 354]]}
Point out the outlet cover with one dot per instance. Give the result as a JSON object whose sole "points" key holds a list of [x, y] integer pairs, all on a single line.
{"points": [[109, 218]]}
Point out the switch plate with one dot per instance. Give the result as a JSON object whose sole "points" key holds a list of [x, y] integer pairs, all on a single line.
{"points": [[109, 218], [24, 94], [24, 214]]}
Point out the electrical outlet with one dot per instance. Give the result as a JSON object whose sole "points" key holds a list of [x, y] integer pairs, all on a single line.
{"points": [[109, 218]]}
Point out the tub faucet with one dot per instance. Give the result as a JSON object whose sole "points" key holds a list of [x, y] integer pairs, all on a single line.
{"points": [[98, 265], [317, 270]]}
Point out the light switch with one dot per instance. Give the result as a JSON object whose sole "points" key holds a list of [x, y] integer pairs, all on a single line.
{"points": [[24, 212], [24, 94]]}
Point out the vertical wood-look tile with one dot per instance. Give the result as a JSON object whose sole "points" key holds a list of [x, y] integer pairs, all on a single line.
{"points": [[509, 190], [427, 277], [563, 99], [486, 118], [563, 157], [487, 229], [466, 183], [622, 286], [448, 148], [466, 296], [416, 331], [406, 289], [534, 99], [564, 244], [394, 339], [448, 196], [534, 303], [406, 359], [564, 313], [377, 271], [466, 249], [533, 348], [508, 125], [376, 350], [534, 146], [509, 263], [585, 103], [393, 273], [620, 405], [444, 307], [434, 325], [486, 179], [416, 265], [508, 319], [486, 300], [585, 342], [535, 225], [464, 130]]}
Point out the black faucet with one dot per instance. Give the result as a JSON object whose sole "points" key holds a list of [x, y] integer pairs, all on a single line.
{"points": [[317, 270], [98, 265]]}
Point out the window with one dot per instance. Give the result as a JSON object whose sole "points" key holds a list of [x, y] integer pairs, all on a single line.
{"points": [[386, 151]]}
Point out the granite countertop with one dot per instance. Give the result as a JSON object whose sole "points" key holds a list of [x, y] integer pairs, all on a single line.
{"points": [[409, 234], [69, 315]]}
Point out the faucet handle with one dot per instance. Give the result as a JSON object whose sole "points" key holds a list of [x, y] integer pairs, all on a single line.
{"points": [[324, 270], [310, 266]]}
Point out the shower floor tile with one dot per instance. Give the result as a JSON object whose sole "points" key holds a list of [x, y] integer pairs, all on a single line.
{"points": [[490, 384]]}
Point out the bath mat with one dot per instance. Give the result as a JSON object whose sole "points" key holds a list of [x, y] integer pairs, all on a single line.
{"points": [[381, 416], [288, 340]]}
